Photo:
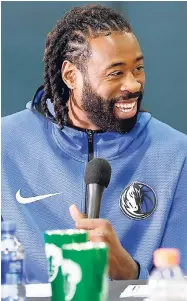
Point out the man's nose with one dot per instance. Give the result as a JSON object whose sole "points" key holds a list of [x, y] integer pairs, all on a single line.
{"points": [[130, 84]]}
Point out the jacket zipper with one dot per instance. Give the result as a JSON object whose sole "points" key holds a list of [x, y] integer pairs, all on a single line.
{"points": [[90, 145]]}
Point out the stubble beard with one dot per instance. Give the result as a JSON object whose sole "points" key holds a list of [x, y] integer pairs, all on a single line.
{"points": [[101, 111]]}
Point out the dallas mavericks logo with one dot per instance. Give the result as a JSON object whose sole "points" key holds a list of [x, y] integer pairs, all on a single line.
{"points": [[138, 201]]}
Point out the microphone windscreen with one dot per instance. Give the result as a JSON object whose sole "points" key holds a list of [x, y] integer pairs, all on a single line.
{"points": [[98, 171]]}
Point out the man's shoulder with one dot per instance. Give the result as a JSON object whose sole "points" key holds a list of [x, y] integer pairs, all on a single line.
{"points": [[16, 119], [165, 132], [20, 125], [22, 120]]}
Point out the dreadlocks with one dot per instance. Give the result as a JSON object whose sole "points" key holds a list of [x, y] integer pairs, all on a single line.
{"points": [[69, 41]]}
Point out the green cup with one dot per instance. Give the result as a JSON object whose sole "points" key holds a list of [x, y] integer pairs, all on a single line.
{"points": [[54, 240], [85, 268]]}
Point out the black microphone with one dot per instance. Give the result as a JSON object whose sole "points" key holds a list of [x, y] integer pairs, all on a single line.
{"points": [[97, 177]]}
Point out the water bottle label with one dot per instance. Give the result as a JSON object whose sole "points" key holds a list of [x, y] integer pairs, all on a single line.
{"points": [[11, 271]]}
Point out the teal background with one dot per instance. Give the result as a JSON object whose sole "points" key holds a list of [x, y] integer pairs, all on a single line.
{"points": [[159, 26]]}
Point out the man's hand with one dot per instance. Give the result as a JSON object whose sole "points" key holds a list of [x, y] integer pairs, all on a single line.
{"points": [[121, 264]]}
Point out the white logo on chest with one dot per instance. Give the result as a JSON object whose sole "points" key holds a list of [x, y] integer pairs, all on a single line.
{"points": [[23, 200]]}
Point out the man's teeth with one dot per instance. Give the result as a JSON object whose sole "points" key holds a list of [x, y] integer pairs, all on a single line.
{"points": [[126, 107]]}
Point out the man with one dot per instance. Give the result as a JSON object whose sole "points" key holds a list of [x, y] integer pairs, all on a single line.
{"points": [[90, 106]]}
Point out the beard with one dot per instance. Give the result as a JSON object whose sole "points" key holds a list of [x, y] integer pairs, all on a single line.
{"points": [[100, 111]]}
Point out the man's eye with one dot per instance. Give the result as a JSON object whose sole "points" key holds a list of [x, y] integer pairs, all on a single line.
{"points": [[116, 73], [139, 68]]}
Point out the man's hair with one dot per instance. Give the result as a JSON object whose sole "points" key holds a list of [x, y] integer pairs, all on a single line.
{"points": [[69, 41]]}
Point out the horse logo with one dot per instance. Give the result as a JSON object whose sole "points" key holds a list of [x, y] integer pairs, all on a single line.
{"points": [[138, 201]]}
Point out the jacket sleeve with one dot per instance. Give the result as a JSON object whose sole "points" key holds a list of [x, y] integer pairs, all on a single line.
{"points": [[143, 271], [175, 234]]}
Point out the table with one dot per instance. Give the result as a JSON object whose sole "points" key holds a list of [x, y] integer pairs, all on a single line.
{"points": [[115, 289]]}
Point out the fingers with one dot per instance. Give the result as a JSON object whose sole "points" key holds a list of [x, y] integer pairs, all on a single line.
{"points": [[91, 224], [75, 213], [96, 236], [82, 222], [99, 230]]}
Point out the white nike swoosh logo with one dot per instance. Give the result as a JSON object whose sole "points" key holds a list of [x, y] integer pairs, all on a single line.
{"points": [[23, 200]]}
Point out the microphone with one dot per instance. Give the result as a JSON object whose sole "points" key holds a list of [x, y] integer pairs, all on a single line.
{"points": [[97, 177]]}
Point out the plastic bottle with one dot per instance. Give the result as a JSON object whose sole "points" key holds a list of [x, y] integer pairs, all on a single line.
{"points": [[167, 282], [12, 256]]}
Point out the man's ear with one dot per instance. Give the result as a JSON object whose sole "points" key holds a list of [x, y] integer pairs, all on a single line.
{"points": [[68, 72]]}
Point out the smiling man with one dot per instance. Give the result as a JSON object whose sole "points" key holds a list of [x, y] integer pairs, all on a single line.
{"points": [[109, 90], [90, 106]]}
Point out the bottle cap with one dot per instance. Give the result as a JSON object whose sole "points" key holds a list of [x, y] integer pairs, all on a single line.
{"points": [[166, 257], [8, 226]]}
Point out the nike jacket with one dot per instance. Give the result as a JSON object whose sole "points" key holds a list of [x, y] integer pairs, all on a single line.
{"points": [[43, 174]]}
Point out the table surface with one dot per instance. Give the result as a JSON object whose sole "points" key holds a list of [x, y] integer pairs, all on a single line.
{"points": [[115, 289]]}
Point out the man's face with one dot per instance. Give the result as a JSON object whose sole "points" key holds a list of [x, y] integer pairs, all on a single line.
{"points": [[113, 82]]}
